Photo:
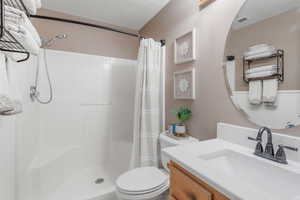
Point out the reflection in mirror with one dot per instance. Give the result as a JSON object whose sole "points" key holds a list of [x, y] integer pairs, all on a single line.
{"points": [[262, 58]]}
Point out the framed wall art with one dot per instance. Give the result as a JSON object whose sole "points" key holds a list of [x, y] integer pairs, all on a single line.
{"points": [[184, 84], [185, 48]]}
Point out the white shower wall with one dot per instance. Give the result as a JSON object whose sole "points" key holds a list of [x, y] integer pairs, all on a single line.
{"points": [[85, 132]]}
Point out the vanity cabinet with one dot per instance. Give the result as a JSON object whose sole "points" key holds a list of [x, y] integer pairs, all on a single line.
{"points": [[185, 186]]}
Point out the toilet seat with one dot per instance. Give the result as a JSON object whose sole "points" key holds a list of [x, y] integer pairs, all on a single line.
{"points": [[142, 183], [145, 196], [143, 191]]}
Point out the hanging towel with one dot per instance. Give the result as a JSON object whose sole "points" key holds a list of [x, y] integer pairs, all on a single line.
{"points": [[270, 89], [31, 6], [23, 37], [19, 18], [13, 91], [6, 103], [255, 92]]}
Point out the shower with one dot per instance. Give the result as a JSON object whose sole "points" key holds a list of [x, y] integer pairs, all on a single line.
{"points": [[34, 92]]}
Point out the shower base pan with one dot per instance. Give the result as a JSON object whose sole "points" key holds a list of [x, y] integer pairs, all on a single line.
{"points": [[90, 184]]}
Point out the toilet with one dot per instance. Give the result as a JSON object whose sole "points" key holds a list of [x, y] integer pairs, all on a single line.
{"points": [[149, 183]]}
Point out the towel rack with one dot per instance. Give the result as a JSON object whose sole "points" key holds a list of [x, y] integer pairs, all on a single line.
{"points": [[279, 56], [7, 42]]}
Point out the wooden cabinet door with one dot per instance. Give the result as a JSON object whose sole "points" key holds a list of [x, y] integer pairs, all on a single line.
{"points": [[184, 188]]}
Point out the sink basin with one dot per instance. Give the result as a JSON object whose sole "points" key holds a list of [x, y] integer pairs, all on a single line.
{"points": [[237, 173], [255, 173]]}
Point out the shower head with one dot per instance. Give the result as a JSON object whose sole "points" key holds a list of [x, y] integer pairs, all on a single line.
{"points": [[49, 42]]}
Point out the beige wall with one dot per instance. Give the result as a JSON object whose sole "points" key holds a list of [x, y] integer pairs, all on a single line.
{"points": [[84, 39], [213, 24], [281, 31]]}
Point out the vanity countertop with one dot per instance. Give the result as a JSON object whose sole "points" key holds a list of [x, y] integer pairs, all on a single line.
{"points": [[236, 172]]}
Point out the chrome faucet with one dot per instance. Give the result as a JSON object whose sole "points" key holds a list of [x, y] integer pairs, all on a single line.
{"points": [[280, 155]]}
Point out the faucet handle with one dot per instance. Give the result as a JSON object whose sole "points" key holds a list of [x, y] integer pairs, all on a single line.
{"points": [[280, 154], [288, 147], [259, 148], [254, 139]]}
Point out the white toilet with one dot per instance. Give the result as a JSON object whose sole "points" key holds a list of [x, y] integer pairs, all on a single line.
{"points": [[149, 183]]}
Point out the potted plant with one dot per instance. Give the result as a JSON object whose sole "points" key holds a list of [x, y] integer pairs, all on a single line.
{"points": [[182, 114]]}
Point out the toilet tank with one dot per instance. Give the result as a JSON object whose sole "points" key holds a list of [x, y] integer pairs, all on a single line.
{"points": [[166, 140]]}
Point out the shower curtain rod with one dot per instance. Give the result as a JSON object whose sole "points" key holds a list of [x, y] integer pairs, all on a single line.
{"points": [[163, 42]]}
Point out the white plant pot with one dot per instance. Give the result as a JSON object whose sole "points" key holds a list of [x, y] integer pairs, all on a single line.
{"points": [[180, 129]]}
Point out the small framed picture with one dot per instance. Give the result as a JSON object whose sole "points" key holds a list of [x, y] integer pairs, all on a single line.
{"points": [[185, 48], [184, 84]]}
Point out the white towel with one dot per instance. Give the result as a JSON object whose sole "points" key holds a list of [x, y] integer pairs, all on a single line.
{"points": [[251, 56], [6, 103], [15, 56], [270, 89], [15, 96], [255, 92], [18, 17], [17, 109], [261, 74], [38, 4], [30, 6], [259, 47], [24, 37], [262, 69]]}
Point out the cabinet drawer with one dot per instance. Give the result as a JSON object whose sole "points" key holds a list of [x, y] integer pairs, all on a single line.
{"points": [[184, 188]]}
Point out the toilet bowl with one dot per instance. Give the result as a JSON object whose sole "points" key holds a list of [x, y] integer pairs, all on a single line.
{"points": [[149, 183]]}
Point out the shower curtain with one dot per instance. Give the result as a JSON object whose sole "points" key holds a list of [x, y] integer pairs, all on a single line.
{"points": [[149, 104]]}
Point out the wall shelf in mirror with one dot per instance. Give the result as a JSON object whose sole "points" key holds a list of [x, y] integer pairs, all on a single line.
{"points": [[279, 56]]}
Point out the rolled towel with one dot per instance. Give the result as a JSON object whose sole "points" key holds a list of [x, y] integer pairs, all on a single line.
{"points": [[261, 74], [259, 47], [262, 69], [15, 56], [255, 92], [30, 6], [264, 54], [18, 17], [24, 37], [17, 108], [259, 50], [6, 104], [270, 89]]}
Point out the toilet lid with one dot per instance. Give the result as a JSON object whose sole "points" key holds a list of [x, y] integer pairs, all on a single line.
{"points": [[142, 180]]}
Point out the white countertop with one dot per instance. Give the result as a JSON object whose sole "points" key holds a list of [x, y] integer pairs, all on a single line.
{"points": [[239, 175]]}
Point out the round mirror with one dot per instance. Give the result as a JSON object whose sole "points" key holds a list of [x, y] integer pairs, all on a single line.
{"points": [[262, 62]]}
